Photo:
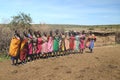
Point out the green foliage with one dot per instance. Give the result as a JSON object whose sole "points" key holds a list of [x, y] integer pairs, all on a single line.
{"points": [[4, 57], [21, 20]]}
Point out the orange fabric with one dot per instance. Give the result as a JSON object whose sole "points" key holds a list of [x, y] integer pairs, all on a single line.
{"points": [[23, 43], [14, 46], [23, 50]]}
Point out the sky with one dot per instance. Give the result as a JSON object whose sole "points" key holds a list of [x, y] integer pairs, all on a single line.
{"points": [[80, 12]]}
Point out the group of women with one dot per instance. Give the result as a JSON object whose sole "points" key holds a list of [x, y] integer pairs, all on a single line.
{"points": [[35, 45]]}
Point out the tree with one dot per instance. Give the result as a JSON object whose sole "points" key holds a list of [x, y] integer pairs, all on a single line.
{"points": [[22, 20]]}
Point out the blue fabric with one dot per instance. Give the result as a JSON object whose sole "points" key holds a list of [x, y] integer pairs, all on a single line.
{"points": [[91, 44], [12, 58], [28, 35]]}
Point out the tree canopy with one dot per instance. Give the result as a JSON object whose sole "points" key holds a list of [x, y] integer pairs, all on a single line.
{"points": [[21, 20]]}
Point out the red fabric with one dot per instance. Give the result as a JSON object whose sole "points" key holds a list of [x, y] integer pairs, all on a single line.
{"points": [[24, 50], [82, 46], [39, 45], [72, 39], [23, 54]]}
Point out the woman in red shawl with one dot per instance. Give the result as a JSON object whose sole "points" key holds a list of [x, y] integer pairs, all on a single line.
{"points": [[39, 44], [24, 49], [72, 39]]}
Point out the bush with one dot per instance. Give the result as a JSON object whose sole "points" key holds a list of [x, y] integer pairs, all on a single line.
{"points": [[91, 28], [5, 37]]}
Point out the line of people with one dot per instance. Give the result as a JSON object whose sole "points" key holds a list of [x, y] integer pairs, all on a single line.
{"points": [[35, 45]]}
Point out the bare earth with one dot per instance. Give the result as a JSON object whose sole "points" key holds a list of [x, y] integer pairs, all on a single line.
{"points": [[103, 64]]}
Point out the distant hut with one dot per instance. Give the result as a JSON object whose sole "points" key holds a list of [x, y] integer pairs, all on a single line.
{"points": [[117, 37]]}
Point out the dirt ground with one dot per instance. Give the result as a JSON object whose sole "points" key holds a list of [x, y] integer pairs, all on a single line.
{"points": [[103, 64]]}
